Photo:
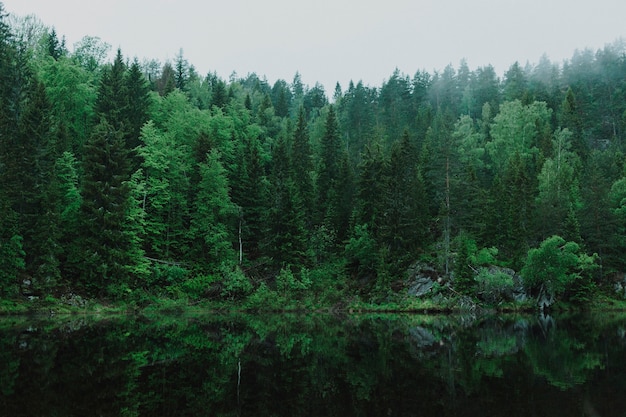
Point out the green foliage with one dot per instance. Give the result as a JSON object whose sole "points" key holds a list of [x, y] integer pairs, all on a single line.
{"points": [[213, 213], [484, 256], [464, 282], [198, 169], [515, 131], [198, 286], [288, 283], [235, 284], [556, 266], [361, 251], [494, 286]]}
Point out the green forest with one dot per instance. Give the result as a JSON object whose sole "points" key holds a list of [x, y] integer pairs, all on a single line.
{"points": [[143, 181]]}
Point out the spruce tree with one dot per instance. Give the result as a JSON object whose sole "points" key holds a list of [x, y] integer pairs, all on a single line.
{"points": [[328, 168], [138, 93], [405, 217], [302, 158], [286, 235], [112, 101], [249, 192], [106, 237]]}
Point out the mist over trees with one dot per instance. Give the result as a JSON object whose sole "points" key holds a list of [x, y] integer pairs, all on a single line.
{"points": [[122, 176]]}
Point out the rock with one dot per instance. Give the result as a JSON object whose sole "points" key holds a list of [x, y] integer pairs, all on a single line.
{"points": [[422, 278], [73, 300], [620, 287], [421, 337], [421, 286]]}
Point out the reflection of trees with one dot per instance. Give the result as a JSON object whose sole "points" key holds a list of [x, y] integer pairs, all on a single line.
{"points": [[309, 365], [564, 357]]}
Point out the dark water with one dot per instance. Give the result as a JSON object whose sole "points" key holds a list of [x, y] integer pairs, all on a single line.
{"points": [[314, 365]]}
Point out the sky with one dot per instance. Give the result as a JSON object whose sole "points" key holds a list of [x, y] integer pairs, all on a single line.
{"points": [[330, 41]]}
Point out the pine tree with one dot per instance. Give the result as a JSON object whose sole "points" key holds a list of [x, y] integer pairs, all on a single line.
{"points": [[250, 194], [370, 191], [286, 235], [405, 217], [112, 100], [464, 282], [138, 93], [302, 158], [38, 217], [106, 236], [570, 118], [328, 169], [55, 48], [11, 250]]}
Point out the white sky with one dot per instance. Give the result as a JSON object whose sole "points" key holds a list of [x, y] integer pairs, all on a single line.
{"points": [[336, 40]]}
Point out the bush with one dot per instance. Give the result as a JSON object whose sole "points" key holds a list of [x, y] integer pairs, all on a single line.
{"points": [[198, 286], [494, 286], [163, 275], [288, 283], [263, 298], [235, 284]]}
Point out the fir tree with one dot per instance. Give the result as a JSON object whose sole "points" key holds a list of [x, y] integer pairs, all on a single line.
{"points": [[108, 255], [302, 158], [328, 169]]}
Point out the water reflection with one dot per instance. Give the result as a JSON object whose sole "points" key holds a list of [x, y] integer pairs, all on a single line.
{"points": [[314, 365]]}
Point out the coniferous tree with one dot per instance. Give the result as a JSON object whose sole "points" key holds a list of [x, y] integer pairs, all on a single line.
{"points": [[464, 282], [405, 220], [571, 119], [249, 192], [514, 196], [55, 48], [112, 100], [328, 168], [286, 236], [11, 250], [302, 158], [106, 259], [166, 83], [138, 94], [38, 219]]}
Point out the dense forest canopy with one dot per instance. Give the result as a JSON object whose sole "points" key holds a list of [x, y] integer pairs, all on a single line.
{"points": [[118, 176]]}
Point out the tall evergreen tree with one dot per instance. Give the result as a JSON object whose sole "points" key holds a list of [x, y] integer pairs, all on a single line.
{"points": [[106, 238], [328, 168], [11, 250], [286, 234], [36, 157], [370, 190], [570, 118], [138, 93], [405, 220], [112, 100], [302, 158]]}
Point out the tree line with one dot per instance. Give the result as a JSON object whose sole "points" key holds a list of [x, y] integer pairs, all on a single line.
{"points": [[118, 176]]}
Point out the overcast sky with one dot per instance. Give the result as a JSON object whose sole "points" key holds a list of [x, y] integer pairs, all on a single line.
{"points": [[331, 41]]}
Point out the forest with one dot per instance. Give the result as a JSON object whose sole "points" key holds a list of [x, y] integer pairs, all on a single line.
{"points": [[122, 179]]}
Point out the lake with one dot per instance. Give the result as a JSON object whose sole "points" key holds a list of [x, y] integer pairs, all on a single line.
{"points": [[314, 365]]}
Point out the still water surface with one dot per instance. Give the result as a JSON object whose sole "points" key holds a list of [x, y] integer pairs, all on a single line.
{"points": [[314, 365]]}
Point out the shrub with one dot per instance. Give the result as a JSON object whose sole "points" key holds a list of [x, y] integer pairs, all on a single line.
{"points": [[235, 284], [494, 286]]}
